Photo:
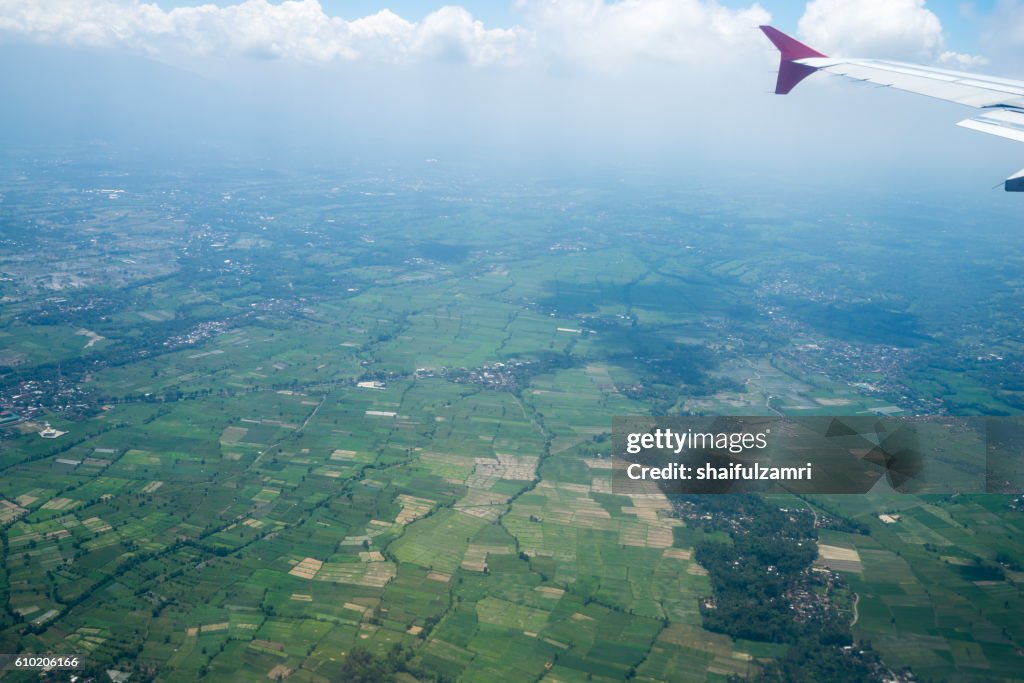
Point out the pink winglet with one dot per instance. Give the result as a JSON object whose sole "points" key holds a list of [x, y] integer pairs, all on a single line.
{"points": [[790, 73], [790, 48]]}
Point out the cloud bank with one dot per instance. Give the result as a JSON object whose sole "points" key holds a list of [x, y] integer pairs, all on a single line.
{"points": [[590, 33], [895, 29], [617, 34], [295, 29]]}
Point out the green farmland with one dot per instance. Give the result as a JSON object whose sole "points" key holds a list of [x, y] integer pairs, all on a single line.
{"points": [[322, 432]]}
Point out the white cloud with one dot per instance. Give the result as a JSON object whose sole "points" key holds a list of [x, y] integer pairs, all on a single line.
{"points": [[613, 35], [574, 33], [294, 29], [898, 29], [961, 60]]}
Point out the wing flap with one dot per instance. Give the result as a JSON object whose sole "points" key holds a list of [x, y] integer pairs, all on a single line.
{"points": [[1005, 123]]}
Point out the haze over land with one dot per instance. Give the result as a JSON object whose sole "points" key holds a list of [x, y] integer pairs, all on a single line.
{"points": [[568, 85]]}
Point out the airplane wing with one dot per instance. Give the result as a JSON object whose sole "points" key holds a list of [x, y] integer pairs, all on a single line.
{"points": [[1001, 99]]}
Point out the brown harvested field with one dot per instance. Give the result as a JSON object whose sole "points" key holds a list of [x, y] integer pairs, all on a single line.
{"points": [[279, 673], [232, 435], [307, 568], [10, 511], [838, 558], [412, 508]]}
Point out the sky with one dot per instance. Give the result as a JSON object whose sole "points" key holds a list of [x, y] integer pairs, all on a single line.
{"points": [[493, 31], [960, 19], [646, 82]]}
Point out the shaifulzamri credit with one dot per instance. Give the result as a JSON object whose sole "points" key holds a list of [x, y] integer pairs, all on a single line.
{"points": [[707, 472], [736, 471]]}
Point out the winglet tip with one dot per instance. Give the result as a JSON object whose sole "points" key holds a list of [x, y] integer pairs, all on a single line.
{"points": [[790, 47], [790, 71]]}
